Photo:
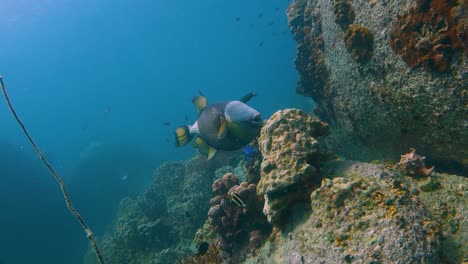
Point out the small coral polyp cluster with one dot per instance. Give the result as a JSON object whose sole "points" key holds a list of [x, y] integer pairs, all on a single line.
{"points": [[430, 33], [344, 13], [359, 40]]}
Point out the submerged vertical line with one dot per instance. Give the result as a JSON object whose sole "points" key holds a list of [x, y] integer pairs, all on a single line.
{"points": [[89, 233]]}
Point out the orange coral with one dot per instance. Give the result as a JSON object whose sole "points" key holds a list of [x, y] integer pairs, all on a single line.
{"points": [[428, 35]]}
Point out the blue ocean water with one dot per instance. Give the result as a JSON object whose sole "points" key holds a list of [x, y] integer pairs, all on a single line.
{"points": [[119, 75]]}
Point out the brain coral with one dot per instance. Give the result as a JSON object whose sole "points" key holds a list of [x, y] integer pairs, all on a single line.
{"points": [[290, 159]]}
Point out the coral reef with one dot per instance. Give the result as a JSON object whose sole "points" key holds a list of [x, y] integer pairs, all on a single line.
{"points": [[428, 35], [413, 164], [237, 227], [379, 109], [159, 225], [291, 160], [359, 41], [344, 13], [153, 203], [338, 211], [212, 256], [367, 213]]}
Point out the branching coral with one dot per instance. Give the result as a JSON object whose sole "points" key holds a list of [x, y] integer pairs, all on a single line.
{"points": [[344, 13], [153, 203], [359, 41], [235, 224], [429, 34]]}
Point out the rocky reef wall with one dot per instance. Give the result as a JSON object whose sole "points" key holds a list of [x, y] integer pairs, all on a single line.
{"points": [[386, 75]]}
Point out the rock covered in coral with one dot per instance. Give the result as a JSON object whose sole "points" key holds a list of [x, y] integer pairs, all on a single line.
{"points": [[381, 108], [413, 164], [364, 213], [305, 23], [291, 159], [445, 197]]}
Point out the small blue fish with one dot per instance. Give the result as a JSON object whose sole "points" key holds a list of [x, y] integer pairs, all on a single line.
{"points": [[249, 152]]}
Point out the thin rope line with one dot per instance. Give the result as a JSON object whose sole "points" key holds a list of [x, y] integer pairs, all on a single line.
{"points": [[89, 233]]}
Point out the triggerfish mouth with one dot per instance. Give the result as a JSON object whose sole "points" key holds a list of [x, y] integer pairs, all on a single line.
{"points": [[222, 126]]}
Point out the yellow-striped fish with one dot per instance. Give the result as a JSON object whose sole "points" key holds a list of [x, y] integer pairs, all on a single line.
{"points": [[222, 126]]}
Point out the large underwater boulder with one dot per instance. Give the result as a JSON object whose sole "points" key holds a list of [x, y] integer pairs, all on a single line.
{"points": [[386, 75]]}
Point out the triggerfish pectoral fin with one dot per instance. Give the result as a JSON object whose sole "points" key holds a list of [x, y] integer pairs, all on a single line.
{"points": [[211, 153], [200, 102], [222, 128], [204, 148]]}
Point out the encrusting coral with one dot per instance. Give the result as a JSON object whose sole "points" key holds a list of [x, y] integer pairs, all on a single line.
{"points": [[430, 33], [291, 160], [359, 41]]}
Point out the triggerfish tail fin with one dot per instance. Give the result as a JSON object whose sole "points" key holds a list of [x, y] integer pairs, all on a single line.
{"points": [[200, 102], [182, 136]]}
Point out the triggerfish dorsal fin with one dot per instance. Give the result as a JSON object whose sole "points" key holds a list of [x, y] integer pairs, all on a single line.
{"points": [[182, 136], [200, 102], [223, 127], [248, 96]]}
